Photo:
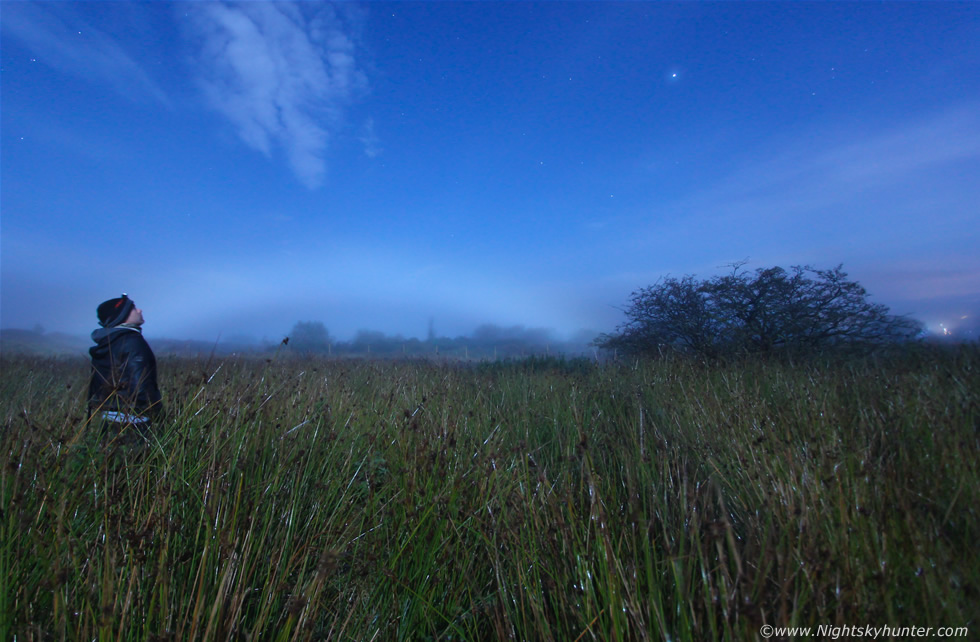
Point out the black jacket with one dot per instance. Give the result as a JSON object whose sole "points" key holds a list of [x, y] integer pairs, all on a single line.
{"points": [[124, 372]]}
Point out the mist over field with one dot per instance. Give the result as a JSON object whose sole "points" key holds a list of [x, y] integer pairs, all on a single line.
{"points": [[485, 342]]}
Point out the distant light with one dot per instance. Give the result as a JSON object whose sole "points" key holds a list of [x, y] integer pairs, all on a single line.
{"points": [[673, 75]]}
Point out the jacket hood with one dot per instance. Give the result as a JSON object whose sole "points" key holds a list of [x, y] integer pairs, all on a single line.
{"points": [[102, 334]]}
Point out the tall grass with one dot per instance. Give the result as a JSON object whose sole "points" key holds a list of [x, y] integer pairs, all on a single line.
{"points": [[360, 500]]}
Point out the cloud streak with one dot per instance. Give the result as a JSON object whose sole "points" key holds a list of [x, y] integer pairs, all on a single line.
{"points": [[839, 196], [282, 74], [60, 38], [817, 173]]}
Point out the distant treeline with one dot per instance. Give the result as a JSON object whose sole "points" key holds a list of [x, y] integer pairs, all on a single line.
{"points": [[486, 342], [312, 338]]}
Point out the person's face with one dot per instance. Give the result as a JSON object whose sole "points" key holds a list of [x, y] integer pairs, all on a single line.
{"points": [[135, 317]]}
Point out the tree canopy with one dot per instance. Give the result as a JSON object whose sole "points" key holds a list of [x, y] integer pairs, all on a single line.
{"points": [[744, 312], [310, 336]]}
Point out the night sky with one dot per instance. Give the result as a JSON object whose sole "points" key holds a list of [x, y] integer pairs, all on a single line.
{"points": [[236, 168]]}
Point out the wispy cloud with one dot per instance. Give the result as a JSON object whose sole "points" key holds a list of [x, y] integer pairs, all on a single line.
{"points": [[369, 139], [923, 280], [59, 37], [281, 73], [829, 194], [819, 171]]}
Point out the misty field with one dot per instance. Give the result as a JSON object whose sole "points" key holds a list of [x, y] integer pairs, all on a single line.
{"points": [[540, 500]]}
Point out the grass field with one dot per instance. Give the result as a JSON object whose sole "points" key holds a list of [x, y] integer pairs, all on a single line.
{"points": [[540, 500]]}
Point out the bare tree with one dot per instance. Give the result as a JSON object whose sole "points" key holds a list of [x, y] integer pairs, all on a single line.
{"points": [[770, 309], [672, 312]]}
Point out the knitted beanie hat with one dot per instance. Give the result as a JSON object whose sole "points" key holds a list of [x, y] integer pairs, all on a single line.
{"points": [[115, 311]]}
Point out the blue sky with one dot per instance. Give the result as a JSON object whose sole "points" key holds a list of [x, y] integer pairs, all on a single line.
{"points": [[236, 168]]}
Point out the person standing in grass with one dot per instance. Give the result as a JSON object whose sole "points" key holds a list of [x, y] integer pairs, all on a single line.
{"points": [[123, 392]]}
